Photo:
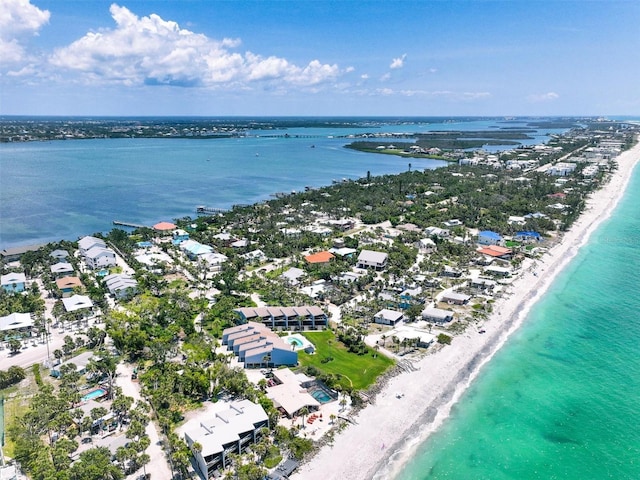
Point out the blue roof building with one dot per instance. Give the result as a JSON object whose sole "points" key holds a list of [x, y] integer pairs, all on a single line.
{"points": [[527, 236], [487, 237]]}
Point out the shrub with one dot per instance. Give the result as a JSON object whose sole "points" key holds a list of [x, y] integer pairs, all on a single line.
{"points": [[444, 339]]}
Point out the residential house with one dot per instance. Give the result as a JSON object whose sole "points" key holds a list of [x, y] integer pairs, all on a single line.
{"points": [[194, 249], [455, 298], [388, 317], [496, 252], [292, 275], [230, 430], [495, 271], [450, 272], [13, 282], [319, 257], [99, 257], [164, 227], [16, 323], [290, 394], [121, 285], [67, 285], [61, 269], [77, 302], [372, 259], [87, 243], [487, 237], [437, 232], [214, 261], [81, 362], [59, 254], [527, 237], [179, 236], [437, 315], [426, 245]]}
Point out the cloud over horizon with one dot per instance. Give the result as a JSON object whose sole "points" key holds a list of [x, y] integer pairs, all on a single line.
{"points": [[149, 50]]}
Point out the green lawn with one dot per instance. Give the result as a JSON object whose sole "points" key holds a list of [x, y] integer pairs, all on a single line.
{"points": [[358, 371]]}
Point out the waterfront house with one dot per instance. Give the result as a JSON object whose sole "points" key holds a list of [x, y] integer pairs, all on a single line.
{"points": [[496, 252], [455, 298], [388, 317], [319, 257], [372, 259], [487, 237], [14, 253], [13, 282], [527, 237], [495, 271], [61, 269], [437, 315], [483, 284], [97, 258], [121, 285], [87, 243], [77, 302], [66, 285], [164, 227], [16, 323], [59, 254], [230, 430], [290, 395]]}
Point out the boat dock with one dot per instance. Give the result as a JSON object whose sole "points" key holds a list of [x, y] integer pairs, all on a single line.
{"points": [[129, 224]]}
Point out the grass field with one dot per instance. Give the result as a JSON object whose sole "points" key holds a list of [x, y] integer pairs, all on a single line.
{"points": [[357, 371]]}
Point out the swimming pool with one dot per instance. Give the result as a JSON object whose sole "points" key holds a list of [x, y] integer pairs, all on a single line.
{"points": [[321, 396], [318, 390], [93, 394], [293, 341]]}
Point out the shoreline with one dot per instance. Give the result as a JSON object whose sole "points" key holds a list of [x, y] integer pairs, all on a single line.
{"points": [[388, 431]]}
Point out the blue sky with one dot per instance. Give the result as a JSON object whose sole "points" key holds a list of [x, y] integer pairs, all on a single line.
{"points": [[316, 57]]}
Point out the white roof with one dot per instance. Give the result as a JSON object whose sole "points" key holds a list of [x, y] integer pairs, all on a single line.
{"points": [[436, 313], [391, 315], [372, 256], [15, 321], [77, 302], [95, 252], [11, 278], [62, 267], [85, 243]]}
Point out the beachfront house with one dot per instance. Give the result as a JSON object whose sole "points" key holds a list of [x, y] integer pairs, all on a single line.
{"points": [[527, 237], [487, 237], [230, 430], [13, 282], [97, 258], [290, 394], [455, 298], [87, 243], [496, 251], [59, 254], [388, 317], [437, 315], [372, 259]]}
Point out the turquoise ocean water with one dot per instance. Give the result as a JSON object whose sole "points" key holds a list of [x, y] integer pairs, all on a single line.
{"points": [[561, 400]]}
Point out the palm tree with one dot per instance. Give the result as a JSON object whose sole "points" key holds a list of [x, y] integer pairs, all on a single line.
{"points": [[303, 411]]}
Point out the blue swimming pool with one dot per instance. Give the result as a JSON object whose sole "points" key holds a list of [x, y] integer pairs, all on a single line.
{"points": [[93, 394], [321, 396]]}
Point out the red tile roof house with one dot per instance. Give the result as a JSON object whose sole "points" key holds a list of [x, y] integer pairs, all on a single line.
{"points": [[320, 257]]}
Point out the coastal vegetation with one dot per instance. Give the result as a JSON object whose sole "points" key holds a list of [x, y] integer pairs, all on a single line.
{"points": [[427, 226]]}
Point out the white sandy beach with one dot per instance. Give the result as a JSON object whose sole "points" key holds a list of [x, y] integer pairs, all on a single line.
{"points": [[388, 430]]}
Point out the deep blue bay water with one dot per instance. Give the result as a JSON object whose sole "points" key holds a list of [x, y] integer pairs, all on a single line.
{"points": [[561, 400], [66, 189]]}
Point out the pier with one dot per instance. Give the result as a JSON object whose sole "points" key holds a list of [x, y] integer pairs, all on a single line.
{"points": [[129, 224], [202, 210]]}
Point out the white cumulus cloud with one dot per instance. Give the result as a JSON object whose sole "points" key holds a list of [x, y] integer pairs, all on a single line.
{"points": [[398, 62], [151, 50], [18, 18]]}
